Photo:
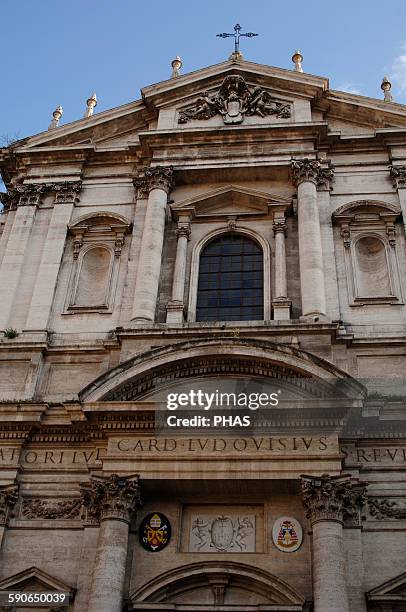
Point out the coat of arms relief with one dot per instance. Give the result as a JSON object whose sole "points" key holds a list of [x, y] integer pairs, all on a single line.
{"points": [[222, 533], [234, 101]]}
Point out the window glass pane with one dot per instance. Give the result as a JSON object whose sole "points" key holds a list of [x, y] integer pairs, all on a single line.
{"points": [[230, 284]]}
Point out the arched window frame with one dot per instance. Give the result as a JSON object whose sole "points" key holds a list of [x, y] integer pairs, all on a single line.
{"points": [[370, 219], [195, 265], [99, 230]]}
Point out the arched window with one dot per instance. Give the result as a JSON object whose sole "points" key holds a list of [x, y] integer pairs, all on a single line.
{"points": [[373, 277], [231, 280], [92, 289]]}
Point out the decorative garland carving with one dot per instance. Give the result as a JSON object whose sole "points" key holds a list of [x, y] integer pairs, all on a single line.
{"points": [[382, 509], [337, 498], [115, 497], [233, 102], [398, 174], [51, 509]]}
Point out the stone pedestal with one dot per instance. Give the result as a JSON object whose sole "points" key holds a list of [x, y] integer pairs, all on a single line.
{"points": [[175, 308], [306, 174], [41, 302], [329, 500], [113, 501], [159, 183]]}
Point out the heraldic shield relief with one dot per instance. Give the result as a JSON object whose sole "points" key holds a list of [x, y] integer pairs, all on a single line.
{"points": [[287, 534], [154, 532]]}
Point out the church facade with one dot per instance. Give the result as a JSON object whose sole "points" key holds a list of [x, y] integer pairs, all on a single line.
{"points": [[237, 229]]}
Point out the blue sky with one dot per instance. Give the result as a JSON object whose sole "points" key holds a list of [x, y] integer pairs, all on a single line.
{"points": [[60, 52]]}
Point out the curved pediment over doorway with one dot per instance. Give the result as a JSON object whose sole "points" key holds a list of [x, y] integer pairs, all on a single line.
{"points": [[210, 584], [149, 375]]}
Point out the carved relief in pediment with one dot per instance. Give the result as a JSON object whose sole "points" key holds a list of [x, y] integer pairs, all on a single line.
{"points": [[234, 101]]}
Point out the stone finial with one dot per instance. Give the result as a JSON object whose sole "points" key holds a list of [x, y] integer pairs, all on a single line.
{"points": [[8, 499], [176, 67], [113, 497], [335, 498], [57, 114], [236, 56], [297, 59], [386, 86], [91, 104]]}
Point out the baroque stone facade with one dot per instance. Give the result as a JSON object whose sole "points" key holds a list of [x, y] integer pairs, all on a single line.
{"points": [[237, 229]]}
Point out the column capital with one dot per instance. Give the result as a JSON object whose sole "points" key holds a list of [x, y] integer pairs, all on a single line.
{"points": [[279, 226], [8, 499], [333, 498], [28, 195], [311, 170], [66, 192], [159, 177], [183, 229], [113, 497], [398, 174]]}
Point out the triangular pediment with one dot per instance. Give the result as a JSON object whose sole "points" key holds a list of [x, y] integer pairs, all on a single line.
{"points": [[119, 127], [392, 590], [230, 200], [34, 579]]}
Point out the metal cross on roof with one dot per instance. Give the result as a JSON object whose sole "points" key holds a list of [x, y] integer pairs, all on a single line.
{"points": [[237, 34]]}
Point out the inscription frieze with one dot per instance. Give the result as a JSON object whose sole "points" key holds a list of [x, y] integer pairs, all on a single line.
{"points": [[52, 458], [373, 456], [227, 445]]}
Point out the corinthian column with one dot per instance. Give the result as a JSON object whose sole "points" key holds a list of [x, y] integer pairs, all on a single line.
{"points": [[281, 304], [66, 195], [306, 174], [175, 308], [328, 501], [113, 501], [159, 183], [8, 499], [27, 197], [398, 174]]}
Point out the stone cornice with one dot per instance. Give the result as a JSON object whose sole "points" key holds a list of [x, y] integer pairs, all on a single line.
{"points": [[333, 498], [111, 498]]}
